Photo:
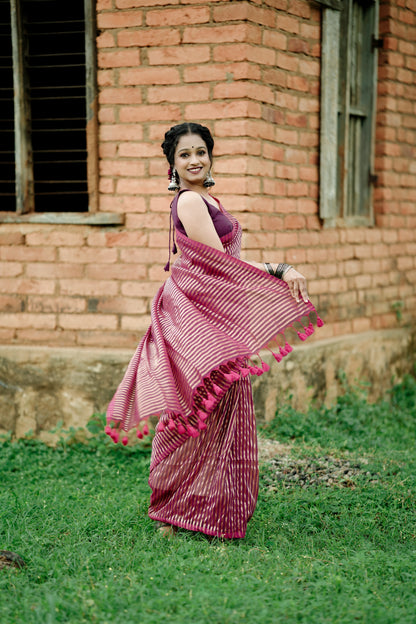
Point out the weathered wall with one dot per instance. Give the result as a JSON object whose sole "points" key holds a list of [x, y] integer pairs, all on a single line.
{"points": [[45, 385], [250, 70]]}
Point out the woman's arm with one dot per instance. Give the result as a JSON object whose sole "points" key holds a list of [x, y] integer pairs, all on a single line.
{"points": [[295, 280], [195, 218]]}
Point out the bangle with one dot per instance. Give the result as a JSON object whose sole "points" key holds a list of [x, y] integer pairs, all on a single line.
{"points": [[282, 268]]}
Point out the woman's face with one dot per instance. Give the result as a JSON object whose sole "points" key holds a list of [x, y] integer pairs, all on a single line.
{"points": [[192, 160]]}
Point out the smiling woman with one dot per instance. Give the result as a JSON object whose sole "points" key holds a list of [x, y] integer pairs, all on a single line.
{"points": [[209, 321]]}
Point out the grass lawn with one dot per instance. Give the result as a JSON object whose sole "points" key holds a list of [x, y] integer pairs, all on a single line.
{"points": [[336, 550]]}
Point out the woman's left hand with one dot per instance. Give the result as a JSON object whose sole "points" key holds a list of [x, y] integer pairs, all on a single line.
{"points": [[297, 284]]}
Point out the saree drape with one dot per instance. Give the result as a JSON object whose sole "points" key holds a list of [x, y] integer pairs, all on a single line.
{"points": [[210, 320]]}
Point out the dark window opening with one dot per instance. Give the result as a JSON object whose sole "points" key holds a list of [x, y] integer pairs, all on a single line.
{"points": [[51, 40], [7, 160]]}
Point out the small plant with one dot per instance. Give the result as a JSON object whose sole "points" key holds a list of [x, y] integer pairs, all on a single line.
{"points": [[398, 309]]}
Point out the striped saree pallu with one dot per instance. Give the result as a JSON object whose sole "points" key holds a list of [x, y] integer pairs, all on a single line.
{"points": [[210, 320]]}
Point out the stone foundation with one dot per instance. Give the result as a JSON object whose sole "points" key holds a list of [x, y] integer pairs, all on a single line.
{"points": [[40, 386]]}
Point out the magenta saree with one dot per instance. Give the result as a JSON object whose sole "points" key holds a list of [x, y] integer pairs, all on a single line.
{"points": [[210, 319]]}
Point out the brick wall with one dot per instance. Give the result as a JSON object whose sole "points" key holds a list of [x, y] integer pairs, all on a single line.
{"points": [[250, 71]]}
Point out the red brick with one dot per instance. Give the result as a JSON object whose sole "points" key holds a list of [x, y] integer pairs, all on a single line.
{"points": [[117, 305], [58, 238], [119, 19], [223, 71], [310, 30], [54, 270], [298, 45], [299, 8], [11, 238], [297, 83], [122, 168], [106, 77], [144, 187], [10, 269], [28, 254], [47, 337], [149, 76], [176, 17], [149, 37], [120, 58], [25, 319], [132, 4], [277, 4], [106, 115], [275, 39], [117, 239], [135, 323], [121, 132], [89, 288], [287, 23], [85, 255], [223, 110], [140, 150], [194, 93], [222, 34], [88, 321], [11, 303], [231, 12], [288, 137], [286, 61], [47, 305], [127, 95], [140, 289], [294, 222], [105, 39], [116, 271], [178, 55]]}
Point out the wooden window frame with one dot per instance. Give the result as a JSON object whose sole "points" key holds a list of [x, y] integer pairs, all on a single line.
{"points": [[24, 212], [331, 204]]}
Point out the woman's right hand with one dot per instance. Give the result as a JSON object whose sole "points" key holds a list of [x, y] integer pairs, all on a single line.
{"points": [[297, 284]]}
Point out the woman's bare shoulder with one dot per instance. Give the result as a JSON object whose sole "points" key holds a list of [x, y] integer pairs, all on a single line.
{"points": [[191, 200]]}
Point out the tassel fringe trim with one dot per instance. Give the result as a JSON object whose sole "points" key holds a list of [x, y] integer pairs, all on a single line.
{"points": [[210, 392]]}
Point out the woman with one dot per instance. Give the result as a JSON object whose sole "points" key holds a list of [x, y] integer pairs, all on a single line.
{"points": [[192, 368]]}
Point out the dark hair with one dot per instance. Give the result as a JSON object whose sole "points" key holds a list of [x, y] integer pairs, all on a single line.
{"points": [[173, 135]]}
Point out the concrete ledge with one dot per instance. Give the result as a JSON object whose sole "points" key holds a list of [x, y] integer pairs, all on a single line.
{"points": [[40, 386]]}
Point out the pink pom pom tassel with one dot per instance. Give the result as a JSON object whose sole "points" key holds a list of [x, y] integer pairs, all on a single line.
{"points": [[108, 430], [265, 367], [171, 424], [319, 322], [125, 441], [194, 433], [201, 425], [145, 430], [139, 434], [181, 428]]}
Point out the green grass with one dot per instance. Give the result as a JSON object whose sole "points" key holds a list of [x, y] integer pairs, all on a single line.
{"points": [[77, 515]]}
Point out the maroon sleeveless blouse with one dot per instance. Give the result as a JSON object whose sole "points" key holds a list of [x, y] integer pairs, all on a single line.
{"points": [[221, 223]]}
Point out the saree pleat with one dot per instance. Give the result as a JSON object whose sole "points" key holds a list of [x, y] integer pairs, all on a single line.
{"points": [[209, 483]]}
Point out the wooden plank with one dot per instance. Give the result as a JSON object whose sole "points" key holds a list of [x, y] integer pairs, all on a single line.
{"points": [[25, 201], [65, 218], [329, 114], [91, 95]]}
